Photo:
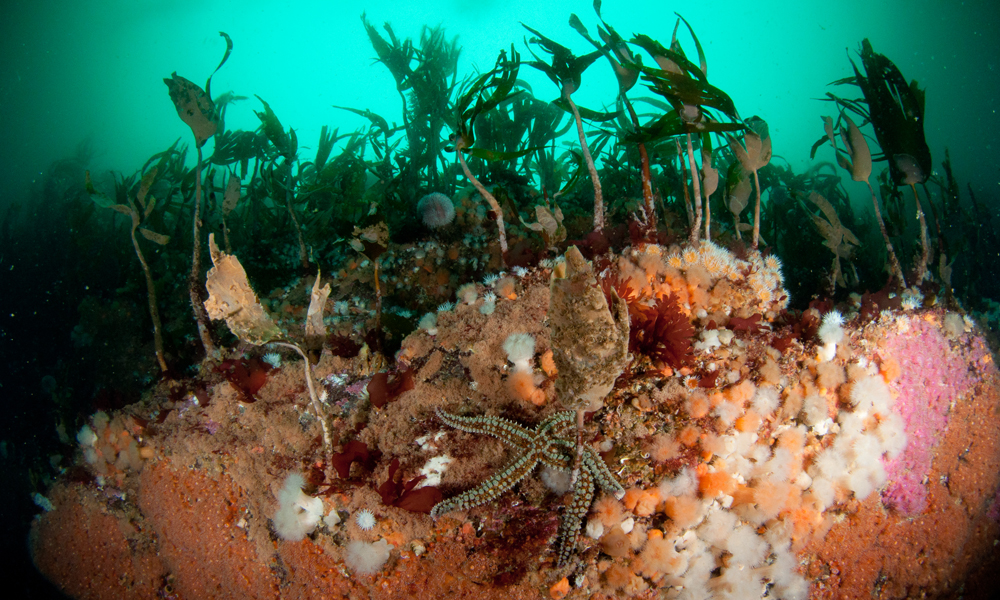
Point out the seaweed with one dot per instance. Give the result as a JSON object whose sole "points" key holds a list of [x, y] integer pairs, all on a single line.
{"points": [[839, 239], [626, 66], [663, 333], [406, 495], [195, 107], [488, 91], [566, 71], [753, 154], [693, 99], [381, 390], [138, 210], [896, 111], [857, 160], [354, 451]]}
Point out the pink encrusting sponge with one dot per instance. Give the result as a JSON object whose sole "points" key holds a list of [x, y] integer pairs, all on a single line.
{"points": [[936, 374]]}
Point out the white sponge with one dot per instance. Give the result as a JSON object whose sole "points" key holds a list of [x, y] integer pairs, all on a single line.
{"points": [[364, 558], [298, 513]]}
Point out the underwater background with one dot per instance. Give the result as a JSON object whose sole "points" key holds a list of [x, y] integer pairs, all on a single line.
{"points": [[81, 89], [92, 71]]}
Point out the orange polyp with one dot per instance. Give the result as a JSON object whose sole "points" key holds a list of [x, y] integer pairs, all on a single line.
{"points": [[647, 502], [682, 509], [890, 370], [631, 498], [689, 435], [608, 511], [522, 385], [505, 288], [548, 364], [559, 589], [697, 406], [742, 495], [712, 485], [749, 422], [792, 440]]}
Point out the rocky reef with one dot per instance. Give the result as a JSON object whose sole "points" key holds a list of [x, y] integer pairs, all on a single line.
{"points": [[760, 464]]}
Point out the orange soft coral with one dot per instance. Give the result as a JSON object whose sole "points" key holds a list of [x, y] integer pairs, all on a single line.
{"points": [[689, 435], [608, 511], [548, 364], [696, 405], [631, 497], [617, 577], [715, 484], [506, 288], [749, 422], [659, 558], [663, 448], [890, 369], [647, 501], [774, 498], [683, 510], [616, 543], [522, 385], [741, 393]]}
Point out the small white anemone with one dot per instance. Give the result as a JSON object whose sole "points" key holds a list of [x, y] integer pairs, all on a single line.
{"points": [[429, 323], [520, 349], [365, 519], [831, 333], [273, 359]]}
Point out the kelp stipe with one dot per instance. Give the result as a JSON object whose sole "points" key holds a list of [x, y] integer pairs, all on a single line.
{"points": [[195, 107]]}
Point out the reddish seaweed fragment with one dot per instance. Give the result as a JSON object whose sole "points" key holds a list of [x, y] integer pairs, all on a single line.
{"points": [[342, 346], [873, 303], [783, 343], [353, 451], [400, 495], [708, 381], [382, 390], [246, 376], [752, 324]]}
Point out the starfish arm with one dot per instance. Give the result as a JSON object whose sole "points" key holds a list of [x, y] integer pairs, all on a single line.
{"points": [[572, 517], [594, 464], [491, 489], [556, 425], [553, 443], [508, 432], [558, 454]]}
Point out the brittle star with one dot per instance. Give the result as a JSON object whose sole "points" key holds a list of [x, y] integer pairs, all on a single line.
{"points": [[552, 443]]}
